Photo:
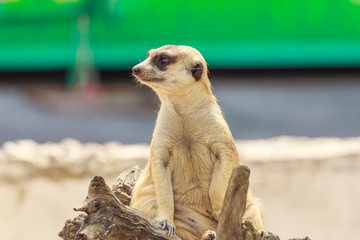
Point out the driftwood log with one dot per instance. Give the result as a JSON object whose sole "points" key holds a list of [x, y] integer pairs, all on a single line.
{"points": [[108, 216]]}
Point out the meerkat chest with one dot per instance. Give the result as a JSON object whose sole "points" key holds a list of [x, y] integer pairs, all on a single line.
{"points": [[192, 158], [188, 141], [192, 168], [189, 136], [192, 152]]}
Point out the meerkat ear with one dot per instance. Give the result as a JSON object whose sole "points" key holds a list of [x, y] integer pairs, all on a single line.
{"points": [[197, 71]]}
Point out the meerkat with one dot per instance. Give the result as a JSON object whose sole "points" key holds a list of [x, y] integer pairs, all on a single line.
{"points": [[192, 151]]}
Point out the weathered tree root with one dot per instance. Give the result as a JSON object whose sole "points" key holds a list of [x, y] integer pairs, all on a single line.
{"points": [[109, 218], [125, 183], [72, 227], [230, 222]]}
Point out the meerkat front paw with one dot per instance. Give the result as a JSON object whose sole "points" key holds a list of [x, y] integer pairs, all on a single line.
{"points": [[169, 225]]}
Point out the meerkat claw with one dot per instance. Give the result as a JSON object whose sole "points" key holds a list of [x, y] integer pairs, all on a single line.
{"points": [[165, 225], [171, 231]]}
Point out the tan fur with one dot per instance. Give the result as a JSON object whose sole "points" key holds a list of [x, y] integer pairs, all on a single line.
{"points": [[192, 149]]}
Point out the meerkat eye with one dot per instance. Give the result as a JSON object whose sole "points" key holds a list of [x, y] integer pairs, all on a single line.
{"points": [[164, 60]]}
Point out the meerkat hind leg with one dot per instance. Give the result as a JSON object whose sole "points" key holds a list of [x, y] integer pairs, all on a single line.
{"points": [[253, 213]]}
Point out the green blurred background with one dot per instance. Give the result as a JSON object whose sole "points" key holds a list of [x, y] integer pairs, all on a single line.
{"points": [[115, 34]]}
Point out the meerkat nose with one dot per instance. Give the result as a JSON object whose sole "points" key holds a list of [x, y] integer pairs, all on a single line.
{"points": [[135, 70]]}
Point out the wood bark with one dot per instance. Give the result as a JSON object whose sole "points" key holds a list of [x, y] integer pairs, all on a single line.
{"points": [[108, 216], [109, 219], [234, 205]]}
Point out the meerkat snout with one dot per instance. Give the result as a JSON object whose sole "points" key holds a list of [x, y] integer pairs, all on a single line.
{"points": [[135, 70]]}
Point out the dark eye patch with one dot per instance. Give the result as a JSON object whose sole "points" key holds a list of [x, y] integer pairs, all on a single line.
{"points": [[161, 61]]}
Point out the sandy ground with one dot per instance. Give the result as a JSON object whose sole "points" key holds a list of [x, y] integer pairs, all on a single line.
{"points": [[302, 196], [309, 199]]}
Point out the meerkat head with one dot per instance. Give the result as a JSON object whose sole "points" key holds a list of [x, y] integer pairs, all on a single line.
{"points": [[171, 68]]}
